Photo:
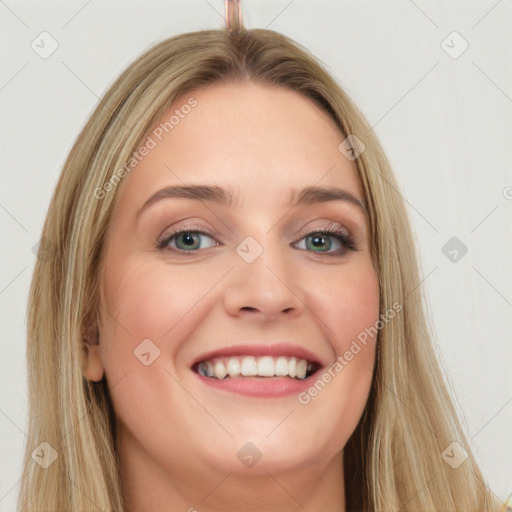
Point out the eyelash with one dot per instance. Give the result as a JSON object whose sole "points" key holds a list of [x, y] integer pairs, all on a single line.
{"points": [[344, 239]]}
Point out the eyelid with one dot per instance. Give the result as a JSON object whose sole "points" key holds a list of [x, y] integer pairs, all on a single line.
{"points": [[330, 226]]}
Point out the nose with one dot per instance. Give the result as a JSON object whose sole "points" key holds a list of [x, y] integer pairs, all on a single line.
{"points": [[266, 288]]}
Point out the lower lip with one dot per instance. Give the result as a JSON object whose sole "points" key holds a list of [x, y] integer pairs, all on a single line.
{"points": [[260, 387]]}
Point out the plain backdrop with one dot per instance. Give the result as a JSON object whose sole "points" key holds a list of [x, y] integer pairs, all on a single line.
{"points": [[433, 79]]}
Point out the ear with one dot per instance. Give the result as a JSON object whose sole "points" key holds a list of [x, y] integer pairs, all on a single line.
{"points": [[94, 369]]}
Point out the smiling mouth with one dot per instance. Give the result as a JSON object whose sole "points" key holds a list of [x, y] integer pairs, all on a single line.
{"points": [[249, 366]]}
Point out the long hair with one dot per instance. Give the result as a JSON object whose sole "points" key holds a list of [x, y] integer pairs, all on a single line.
{"points": [[394, 459]]}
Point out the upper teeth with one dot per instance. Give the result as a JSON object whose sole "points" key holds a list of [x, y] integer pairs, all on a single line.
{"points": [[249, 366]]}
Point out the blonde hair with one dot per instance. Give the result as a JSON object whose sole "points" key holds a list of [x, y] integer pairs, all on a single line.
{"points": [[393, 460]]}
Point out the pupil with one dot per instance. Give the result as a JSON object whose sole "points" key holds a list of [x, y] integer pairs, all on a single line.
{"points": [[188, 239], [318, 241]]}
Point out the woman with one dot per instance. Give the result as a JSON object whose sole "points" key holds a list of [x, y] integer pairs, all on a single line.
{"points": [[231, 312]]}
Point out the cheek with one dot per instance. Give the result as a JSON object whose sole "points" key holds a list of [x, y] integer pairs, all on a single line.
{"points": [[354, 338], [150, 299], [147, 300], [148, 309], [349, 308], [347, 303]]}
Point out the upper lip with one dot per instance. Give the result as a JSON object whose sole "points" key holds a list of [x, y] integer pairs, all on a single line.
{"points": [[263, 349]]}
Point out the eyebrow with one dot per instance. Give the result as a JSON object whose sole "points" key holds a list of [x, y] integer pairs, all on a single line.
{"points": [[306, 196]]}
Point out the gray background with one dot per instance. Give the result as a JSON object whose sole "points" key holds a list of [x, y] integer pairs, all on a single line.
{"points": [[444, 120]]}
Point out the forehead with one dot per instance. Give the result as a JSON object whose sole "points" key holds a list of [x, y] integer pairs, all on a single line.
{"points": [[259, 141]]}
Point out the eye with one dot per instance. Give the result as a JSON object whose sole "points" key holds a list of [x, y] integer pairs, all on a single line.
{"points": [[330, 241], [324, 240], [185, 240]]}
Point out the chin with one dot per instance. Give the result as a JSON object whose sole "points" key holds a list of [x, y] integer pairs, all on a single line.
{"points": [[276, 450]]}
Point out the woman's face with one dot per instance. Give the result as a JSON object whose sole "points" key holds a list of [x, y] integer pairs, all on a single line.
{"points": [[258, 290]]}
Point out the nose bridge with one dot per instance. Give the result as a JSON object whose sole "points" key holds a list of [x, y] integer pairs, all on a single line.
{"points": [[267, 260], [263, 278]]}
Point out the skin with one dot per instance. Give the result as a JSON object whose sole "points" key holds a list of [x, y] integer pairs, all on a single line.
{"points": [[179, 438]]}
